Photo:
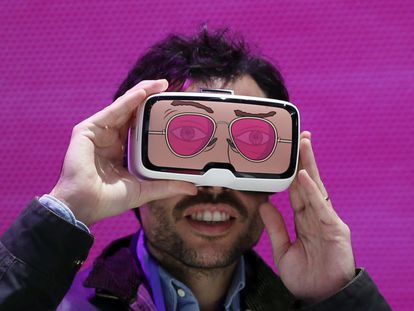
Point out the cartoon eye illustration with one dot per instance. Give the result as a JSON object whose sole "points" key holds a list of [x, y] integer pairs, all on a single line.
{"points": [[253, 137], [189, 134]]}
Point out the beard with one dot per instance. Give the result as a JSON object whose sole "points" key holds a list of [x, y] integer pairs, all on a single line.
{"points": [[210, 253]]}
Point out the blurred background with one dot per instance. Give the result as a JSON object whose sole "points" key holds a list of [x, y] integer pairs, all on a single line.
{"points": [[349, 67]]}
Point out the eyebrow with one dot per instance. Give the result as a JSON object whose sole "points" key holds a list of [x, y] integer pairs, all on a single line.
{"points": [[240, 113], [194, 104]]}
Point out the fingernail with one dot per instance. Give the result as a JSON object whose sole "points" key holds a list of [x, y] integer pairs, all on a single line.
{"points": [[165, 82], [308, 134], [303, 172]]}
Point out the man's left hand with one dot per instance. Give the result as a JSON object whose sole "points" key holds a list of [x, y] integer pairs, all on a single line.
{"points": [[320, 261]]}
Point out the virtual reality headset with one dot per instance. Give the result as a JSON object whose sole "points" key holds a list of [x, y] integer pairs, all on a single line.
{"points": [[216, 139]]}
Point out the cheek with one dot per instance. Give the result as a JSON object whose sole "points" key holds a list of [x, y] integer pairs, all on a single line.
{"points": [[253, 228], [256, 219], [152, 214], [253, 199], [158, 212]]}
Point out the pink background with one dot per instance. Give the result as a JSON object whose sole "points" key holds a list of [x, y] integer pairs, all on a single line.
{"points": [[349, 66]]}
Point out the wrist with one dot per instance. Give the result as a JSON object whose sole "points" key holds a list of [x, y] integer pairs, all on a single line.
{"points": [[332, 290], [61, 209], [74, 202]]}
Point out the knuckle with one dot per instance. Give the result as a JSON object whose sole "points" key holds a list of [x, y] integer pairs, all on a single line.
{"points": [[82, 128], [78, 128], [346, 231]]}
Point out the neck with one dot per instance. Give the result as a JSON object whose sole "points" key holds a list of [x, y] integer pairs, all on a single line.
{"points": [[216, 280]]}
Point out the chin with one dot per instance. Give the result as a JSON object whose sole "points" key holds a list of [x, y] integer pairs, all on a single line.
{"points": [[212, 254], [211, 259]]}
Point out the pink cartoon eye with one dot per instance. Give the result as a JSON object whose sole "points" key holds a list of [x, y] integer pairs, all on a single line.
{"points": [[189, 134], [254, 138]]}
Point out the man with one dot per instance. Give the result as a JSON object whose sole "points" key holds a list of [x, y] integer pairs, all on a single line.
{"points": [[178, 261]]}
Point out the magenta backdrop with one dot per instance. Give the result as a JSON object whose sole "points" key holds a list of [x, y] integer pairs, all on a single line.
{"points": [[349, 66]]}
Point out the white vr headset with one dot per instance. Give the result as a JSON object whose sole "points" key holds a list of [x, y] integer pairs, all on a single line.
{"points": [[210, 139]]}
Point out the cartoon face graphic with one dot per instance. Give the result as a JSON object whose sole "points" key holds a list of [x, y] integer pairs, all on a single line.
{"points": [[194, 134]]}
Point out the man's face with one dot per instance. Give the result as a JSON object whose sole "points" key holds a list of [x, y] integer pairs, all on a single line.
{"points": [[215, 227]]}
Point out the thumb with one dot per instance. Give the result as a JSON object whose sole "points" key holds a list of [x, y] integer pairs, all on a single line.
{"points": [[276, 228], [163, 189]]}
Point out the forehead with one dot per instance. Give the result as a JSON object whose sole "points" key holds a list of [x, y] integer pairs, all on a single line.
{"points": [[244, 85]]}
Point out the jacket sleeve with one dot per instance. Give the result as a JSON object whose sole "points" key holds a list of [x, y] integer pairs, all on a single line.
{"points": [[39, 256], [361, 294]]}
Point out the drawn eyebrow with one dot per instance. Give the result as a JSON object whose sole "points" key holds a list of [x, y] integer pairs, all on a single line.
{"points": [[240, 113], [168, 112], [194, 104]]}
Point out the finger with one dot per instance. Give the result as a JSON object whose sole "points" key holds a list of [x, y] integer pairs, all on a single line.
{"points": [[308, 158], [140, 85], [151, 86], [305, 134], [121, 110], [162, 189], [276, 228], [308, 162], [316, 199], [295, 196], [303, 196]]}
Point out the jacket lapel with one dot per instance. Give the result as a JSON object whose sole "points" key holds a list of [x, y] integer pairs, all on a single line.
{"points": [[116, 272]]}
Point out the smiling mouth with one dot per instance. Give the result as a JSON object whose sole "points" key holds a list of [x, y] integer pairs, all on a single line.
{"points": [[208, 216], [212, 220]]}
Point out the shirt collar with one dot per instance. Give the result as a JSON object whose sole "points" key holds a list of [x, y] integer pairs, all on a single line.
{"points": [[237, 284], [150, 268]]}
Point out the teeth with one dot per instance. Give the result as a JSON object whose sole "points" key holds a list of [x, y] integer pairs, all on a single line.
{"points": [[216, 216], [209, 216], [199, 216]]}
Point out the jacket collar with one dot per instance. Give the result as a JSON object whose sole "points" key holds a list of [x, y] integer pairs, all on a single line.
{"points": [[116, 272]]}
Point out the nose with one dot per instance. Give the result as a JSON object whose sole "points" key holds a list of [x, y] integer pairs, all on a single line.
{"points": [[221, 148]]}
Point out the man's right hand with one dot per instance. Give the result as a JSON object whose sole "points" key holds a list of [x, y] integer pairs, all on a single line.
{"points": [[93, 182]]}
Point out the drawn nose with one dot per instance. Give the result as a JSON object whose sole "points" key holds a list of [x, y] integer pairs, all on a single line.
{"points": [[221, 148]]}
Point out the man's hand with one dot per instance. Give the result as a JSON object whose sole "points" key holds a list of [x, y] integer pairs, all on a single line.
{"points": [[320, 262], [93, 182]]}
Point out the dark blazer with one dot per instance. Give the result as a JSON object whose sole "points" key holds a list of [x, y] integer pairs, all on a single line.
{"points": [[41, 253]]}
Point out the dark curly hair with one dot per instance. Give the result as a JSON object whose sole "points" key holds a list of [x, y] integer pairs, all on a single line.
{"points": [[201, 58]]}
